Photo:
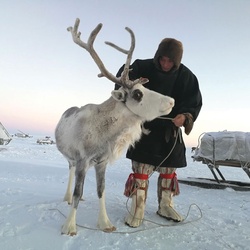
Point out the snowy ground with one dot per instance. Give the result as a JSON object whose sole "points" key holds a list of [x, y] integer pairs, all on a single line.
{"points": [[33, 181]]}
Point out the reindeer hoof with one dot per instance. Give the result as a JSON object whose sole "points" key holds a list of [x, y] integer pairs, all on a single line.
{"points": [[70, 234], [68, 230], [109, 230]]}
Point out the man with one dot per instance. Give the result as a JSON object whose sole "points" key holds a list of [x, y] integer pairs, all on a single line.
{"points": [[161, 147]]}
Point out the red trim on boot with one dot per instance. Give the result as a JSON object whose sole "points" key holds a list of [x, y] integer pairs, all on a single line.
{"points": [[141, 176], [168, 176], [174, 185], [131, 186]]}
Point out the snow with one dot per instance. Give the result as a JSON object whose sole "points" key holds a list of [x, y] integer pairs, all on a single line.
{"points": [[33, 182]]}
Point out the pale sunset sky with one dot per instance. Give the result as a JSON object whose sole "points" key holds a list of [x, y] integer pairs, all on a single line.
{"points": [[42, 72]]}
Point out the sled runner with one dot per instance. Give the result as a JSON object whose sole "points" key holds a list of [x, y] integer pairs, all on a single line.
{"points": [[213, 184]]}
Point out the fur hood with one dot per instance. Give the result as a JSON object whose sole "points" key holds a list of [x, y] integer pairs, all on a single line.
{"points": [[171, 48]]}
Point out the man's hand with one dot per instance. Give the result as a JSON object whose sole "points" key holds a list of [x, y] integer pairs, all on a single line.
{"points": [[179, 120]]}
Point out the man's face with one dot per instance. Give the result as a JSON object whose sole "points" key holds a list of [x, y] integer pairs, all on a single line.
{"points": [[166, 63]]}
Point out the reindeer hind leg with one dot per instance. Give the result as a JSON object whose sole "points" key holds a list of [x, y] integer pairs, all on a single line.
{"points": [[68, 194]]}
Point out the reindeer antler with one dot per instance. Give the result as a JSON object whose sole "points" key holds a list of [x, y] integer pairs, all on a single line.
{"points": [[89, 46]]}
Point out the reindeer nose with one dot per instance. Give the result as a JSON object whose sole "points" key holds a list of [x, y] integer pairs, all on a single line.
{"points": [[171, 102]]}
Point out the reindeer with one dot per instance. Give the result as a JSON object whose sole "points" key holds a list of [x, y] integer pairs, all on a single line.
{"points": [[97, 134]]}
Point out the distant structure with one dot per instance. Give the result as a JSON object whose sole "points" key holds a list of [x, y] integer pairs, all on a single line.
{"points": [[5, 137], [45, 140], [22, 134]]}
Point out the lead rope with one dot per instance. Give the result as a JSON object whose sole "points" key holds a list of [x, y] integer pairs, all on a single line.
{"points": [[145, 229], [178, 135], [158, 224]]}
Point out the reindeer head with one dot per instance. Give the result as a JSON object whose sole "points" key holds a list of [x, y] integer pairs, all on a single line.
{"points": [[143, 102]]}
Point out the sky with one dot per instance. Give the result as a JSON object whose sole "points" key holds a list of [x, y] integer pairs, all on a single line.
{"points": [[43, 72]]}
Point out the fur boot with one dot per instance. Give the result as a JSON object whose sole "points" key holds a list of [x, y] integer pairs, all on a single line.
{"points": [[136, 187], [167, 188]]}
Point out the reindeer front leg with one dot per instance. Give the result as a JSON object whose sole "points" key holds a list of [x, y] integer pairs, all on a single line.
{"points": [[103, 221], [69, 226]]}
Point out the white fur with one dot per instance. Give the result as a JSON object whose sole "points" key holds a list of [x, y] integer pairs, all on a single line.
{"points": [[68, 194], [96, 135]]}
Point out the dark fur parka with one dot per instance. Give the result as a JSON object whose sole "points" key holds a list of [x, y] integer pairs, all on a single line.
{"points": [[181, 84]]}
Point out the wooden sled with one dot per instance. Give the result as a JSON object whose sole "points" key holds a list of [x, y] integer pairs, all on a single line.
{"points": [[228, 149]]}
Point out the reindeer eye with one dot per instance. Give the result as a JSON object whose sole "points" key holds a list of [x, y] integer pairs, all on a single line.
{"points": [[137, 95]]}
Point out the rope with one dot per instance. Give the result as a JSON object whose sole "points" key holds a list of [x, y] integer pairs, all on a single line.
{"points": [[158, 224], [155, 170], [145, 229], [178, 135], [155, 223]]}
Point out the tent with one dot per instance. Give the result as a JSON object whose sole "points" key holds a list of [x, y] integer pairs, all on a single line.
{"points": [[5, 137]]}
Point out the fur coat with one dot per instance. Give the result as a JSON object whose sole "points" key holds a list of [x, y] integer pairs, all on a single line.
{"points": [[181, 84]]}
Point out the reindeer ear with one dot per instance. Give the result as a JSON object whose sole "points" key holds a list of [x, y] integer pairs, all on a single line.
{"points": [[119, 95], [143, 80]]}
